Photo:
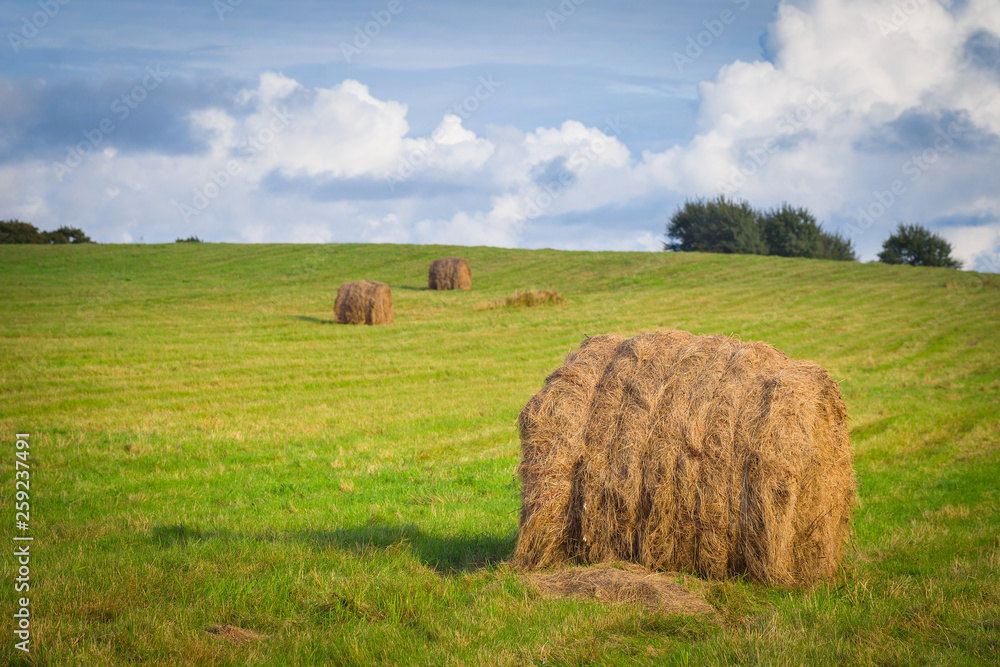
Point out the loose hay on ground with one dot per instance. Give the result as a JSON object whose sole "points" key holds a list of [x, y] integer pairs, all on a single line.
{"points": [[631, 585], [527, 299], [449, 273], [694, 453], [363, 302], [234, 634]]}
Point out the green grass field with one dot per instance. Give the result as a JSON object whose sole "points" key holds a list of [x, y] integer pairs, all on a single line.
{"points": [[208, 449]]}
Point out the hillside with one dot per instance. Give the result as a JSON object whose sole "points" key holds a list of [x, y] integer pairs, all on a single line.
{"points": [[208, 450]]}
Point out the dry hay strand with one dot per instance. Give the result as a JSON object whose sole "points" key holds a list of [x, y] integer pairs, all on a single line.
{"points": [[629, 585], [527, 299], [363, 302], [692, 453], [449, 273], [234, 634]]}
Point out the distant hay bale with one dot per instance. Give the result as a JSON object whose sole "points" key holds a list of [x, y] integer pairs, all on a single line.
{"points": [[449, 273], [684, 452], [363, 302]]}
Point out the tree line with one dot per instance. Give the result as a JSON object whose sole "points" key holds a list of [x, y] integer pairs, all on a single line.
{"points": [[723, 225], [718, 225], [15, 231]]}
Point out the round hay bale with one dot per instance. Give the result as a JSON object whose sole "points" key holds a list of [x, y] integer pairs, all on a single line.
{"points": [[449, 273], [363, 302], [684, 452]]}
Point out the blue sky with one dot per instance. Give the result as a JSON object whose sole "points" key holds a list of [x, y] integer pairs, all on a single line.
{"points": [[573, 124]]}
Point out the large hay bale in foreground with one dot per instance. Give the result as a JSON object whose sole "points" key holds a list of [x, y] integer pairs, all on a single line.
{"points": [[683, 452], [449, 273], [363, 302]]}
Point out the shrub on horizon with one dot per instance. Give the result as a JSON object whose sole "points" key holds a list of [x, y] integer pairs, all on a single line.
{"points": [[917, 246], [15, 231], [730, 226]]}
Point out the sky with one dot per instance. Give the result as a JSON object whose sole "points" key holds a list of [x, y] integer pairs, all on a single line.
{"points": [[571, 124]]}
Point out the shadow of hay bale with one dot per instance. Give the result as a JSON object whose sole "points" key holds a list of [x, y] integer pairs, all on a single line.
{"points": [[314, 320], [444, 554], [691, 453]]}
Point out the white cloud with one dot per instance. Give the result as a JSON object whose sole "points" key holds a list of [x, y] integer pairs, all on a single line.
{"points": [[387, 229], [839, 116], [451, 149], [836, 80], [970, 243], [494, 228], [985, 262], [273, 87], [341, 131], [811, 128]]}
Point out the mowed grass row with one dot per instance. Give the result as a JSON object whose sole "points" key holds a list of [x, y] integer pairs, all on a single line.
{"points": [[209, 450]]}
